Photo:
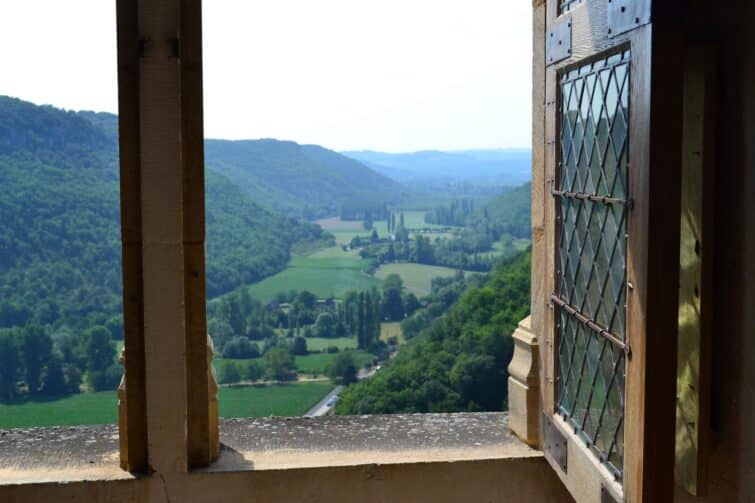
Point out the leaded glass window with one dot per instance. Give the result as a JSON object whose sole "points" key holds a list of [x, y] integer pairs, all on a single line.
{"points": [[592, 202]]}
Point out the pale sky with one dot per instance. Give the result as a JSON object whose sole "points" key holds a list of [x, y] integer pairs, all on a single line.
{"points": [[390, 75]]}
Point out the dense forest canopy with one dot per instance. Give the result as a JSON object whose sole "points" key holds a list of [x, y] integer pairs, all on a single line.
{"points": [[458, 361], [60, 225]]}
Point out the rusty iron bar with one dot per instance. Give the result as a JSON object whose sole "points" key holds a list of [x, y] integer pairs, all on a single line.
{"points": [[591, 324], [590, 197]]}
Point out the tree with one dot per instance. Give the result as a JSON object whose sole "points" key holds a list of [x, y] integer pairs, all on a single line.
{"points": [[299, 347], [10, 365], [342, 369], [402, 235], [229, 373], [36, 351], [279, 365], [392, 305], [361, 321], [390, 255], [254, 371], [108, 379], [325, 325], [54, 382], [393, 281], [374, 238], [306, 299], [411, 303], [235, 317], [240, 347], [100, 349]]}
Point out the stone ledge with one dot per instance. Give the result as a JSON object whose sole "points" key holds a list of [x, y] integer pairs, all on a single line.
{"points": [[91, 452]]}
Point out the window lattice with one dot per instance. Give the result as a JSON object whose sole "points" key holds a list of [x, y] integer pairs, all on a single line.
{"points": [[592, 196], [565, 5]]}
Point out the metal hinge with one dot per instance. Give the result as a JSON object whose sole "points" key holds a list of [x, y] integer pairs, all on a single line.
{"points": [[558, 41], [626, 15], [555, 443]]}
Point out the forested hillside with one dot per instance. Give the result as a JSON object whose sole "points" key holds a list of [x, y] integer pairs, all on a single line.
{"points": [[324, 180], [509, 213], [458, 362], [60, 227]]}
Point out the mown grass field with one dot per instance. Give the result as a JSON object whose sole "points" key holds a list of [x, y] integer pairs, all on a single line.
{"points": [[330, 271], [346, 230], [102, 407], [392, 329], [321, 343], [275, 400], [316, 363], [417, 277]]}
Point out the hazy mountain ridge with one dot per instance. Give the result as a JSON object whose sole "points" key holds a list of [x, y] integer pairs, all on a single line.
{"points": [[325, 180], [504, 167]]}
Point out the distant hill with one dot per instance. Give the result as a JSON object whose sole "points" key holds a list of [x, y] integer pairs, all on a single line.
{"points": [[60, 224], [304, 181], [510, 213], [503, 167]]}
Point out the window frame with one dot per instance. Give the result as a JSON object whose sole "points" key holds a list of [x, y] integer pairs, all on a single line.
{"points": [[655, 140]]}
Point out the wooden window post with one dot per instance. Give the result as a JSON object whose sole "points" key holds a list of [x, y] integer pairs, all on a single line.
{"points": [[167, 380]]}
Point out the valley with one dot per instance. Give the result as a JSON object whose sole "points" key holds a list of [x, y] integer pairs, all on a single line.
{"points": [[319, 269]]}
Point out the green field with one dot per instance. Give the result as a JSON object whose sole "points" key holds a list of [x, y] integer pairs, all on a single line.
{"points": [[330, 271], [346, 230], [417, 277], [322, 343], [276, 400], [316, 363], [102, 407], [392, 329]]}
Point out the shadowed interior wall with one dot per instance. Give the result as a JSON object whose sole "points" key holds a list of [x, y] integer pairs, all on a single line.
{"points": [[732, 451]]}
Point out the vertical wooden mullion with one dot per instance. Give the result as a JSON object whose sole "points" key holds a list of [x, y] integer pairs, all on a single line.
{"points": [[192, 149], [653, 261], [134, 431], [162, 224]]}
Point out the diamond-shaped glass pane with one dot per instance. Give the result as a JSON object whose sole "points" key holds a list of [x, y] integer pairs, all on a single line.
{"points": [[592, 250]]}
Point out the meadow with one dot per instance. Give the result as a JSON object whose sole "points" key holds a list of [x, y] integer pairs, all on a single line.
{"points": [[317, 362], [330, 271], [346, 230], [292, 399], [322, 343], [392, 329], [417, 277]]}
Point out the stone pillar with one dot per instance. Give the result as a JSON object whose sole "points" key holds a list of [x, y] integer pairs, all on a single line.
{"points": [[524, 386], [213, 402], [123, 416]]}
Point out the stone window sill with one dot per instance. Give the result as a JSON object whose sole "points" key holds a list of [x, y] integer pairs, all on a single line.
{"points": [[90, 453]]}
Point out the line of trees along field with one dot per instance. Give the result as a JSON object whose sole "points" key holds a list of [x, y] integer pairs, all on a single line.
{"points": [[245, 328], [476, 231]]}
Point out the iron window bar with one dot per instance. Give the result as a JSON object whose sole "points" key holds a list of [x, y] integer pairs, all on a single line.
{"points": [[590, 323], [592, 197]]}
